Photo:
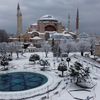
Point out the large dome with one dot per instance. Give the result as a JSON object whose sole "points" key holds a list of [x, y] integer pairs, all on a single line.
{"points": [[48, 17]]}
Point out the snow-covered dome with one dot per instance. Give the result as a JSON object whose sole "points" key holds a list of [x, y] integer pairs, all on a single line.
{"points": [[48, 17]]}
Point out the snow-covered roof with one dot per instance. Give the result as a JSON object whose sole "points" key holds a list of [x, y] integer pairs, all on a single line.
{"points": [[31, 47], [34, 24], [48, 17], [72, 33], [30, 32], [13, 38], [36, 38], [61, 36], [67, 35], [41, 34], [33, 31]]}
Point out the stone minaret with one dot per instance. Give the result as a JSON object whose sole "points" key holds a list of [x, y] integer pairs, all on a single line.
{"points": [[19, 20], [77, 23], [69, 24]]}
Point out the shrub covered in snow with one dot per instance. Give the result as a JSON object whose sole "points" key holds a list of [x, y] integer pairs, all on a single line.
{"points": [[44, 63], [4, 62], [79, 73], [62, 67], [34, 57]]}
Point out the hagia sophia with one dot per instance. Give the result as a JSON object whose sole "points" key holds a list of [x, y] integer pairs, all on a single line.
{"points": [[46, 28]]}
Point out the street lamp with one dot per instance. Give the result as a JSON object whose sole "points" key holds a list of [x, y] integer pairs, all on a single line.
{"points": [[68, 60]]}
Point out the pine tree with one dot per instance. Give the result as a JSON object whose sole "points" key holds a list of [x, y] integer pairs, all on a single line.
{"points": [[78, 72]]}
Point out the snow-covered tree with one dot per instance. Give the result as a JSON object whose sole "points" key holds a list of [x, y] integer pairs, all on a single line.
{"points": [[46, 48], [62, 67], [4, 62], [83, 47], [78, 72], [44, 63], [11, 48], [52, 44], [34, 58], [15, 47], [3, 48], [92, 45], [67, 47]]}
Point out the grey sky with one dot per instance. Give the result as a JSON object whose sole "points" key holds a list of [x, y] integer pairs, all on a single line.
{"points": [[32, 10]]}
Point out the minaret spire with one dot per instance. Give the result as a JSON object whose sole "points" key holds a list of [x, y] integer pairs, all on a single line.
{"points": [[69, 24], [18, 7], [19, 20], [77, 23]]}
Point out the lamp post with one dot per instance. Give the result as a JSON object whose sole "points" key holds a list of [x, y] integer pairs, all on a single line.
{"points": [[68, 60]]}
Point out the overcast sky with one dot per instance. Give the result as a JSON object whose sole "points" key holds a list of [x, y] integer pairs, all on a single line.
{"points": [[32, 10]]}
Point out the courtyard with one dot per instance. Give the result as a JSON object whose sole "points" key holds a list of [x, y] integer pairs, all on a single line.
{"points": [[57, 87]]}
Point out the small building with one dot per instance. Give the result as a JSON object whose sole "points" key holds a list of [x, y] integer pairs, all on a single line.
{"points": [[97, 49], [60, 38]]}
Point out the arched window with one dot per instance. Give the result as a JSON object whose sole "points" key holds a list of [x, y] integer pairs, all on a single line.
{"points": [[35, 34], [50, 28]]}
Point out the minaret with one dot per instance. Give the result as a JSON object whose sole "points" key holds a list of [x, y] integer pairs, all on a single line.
{"points": [[77, 23], [19, 20], [69, 24]]}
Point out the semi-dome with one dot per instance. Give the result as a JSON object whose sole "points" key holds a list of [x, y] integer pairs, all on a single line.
{"points": [[48, 17]]}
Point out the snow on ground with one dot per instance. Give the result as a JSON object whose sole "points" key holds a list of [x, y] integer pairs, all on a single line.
{"points": [[62, 88]]}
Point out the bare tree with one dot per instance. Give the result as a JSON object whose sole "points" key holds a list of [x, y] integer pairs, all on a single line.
{"points": [[67, 47], [83, 47], [3, 48], [18, 48], [92, 45], [46, 48], [11, 47], [15, 47]]}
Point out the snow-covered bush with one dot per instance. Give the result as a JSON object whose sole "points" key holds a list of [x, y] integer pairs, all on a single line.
{"points": [[79, 73], [4, 62], [34, 57], [44, 63], [62, 67]]}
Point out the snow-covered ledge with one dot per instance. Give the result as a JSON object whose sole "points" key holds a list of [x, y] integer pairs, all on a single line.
{"points": [[30, 92]]}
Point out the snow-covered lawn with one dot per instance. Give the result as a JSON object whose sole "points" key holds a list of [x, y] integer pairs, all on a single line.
{"points": [[59, 88]]}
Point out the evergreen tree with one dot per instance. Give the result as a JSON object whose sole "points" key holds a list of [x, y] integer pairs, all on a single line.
{"points": [[78, 72]]}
